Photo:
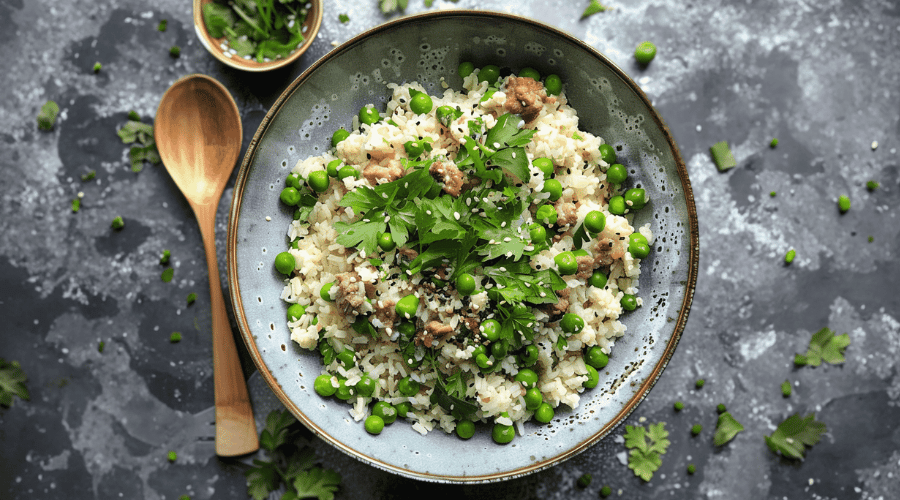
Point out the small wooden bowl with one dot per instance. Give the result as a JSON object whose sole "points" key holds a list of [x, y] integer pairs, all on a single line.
{"points": [[214, 45]]}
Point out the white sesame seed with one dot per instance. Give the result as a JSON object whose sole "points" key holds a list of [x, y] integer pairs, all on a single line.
{"points": [[268, 218], [456, 215]]}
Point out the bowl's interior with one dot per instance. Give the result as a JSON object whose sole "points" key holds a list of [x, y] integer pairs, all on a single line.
{"points": [[214, 45], [427, 48]]}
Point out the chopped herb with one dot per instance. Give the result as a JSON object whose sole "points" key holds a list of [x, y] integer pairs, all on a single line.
{"points": [[872, 185], [389, 6], [699, 383], [183, 497], [175, 51], [773, 143], [786, 388], [117, 223], [605, 491], [871, 239], [644, 457], [134, 116], [191, 298], [789, 256], [46, 118], [794, 434], [163, 24], [134, 131], [584, 481], [97, 67], [175, 337], [172, 456], [691, 469], [76, 205], [721, 408], [678, 406], [344, 18], [824, 346], [264, 29], [726, 428], [593, 8], [89, 176], [101, 346], [164, 259], [722, 156], [167, 274], [12, 383], [772, 194], [843, 203], [696, 429]]}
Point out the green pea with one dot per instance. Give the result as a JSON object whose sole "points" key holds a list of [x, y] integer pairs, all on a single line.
{"points": [[295, 311], [343, 392], [490, 74], [503, 434], [529, 356], [638, 246], [292, 180], [546, 214], [533, 399], [421, 104], [499, 349], [318, 181], [338, 136], [629, 302], [616, 173], [490, 329], [465, 69], [584, 481], [407, 329], [444, 114], [678, 406], [571, 323], [284, 263], [386, 411], [323, 386], [465, 429], [537, 233], [553, 84], [366, 386], [593, 377], [607, 153], [403, 409], [530, 73], [637, 197], [369, 115], [696, 429], [465, 284], [414, 148], [637, 237], [581, 252], [386, 242], [374, 424], [408, 387], [566, 263], [290, 196], [347, 358], [332, 168], [479, 349], [527, 377], [598, 279], [325, 292], [544, 414], [545, 165], [605, 491], [595, 221], [347, 171], [407, 306], [483, 361], [596, 357], [844, 203], [617, 205], [554, 187], [645, 52]]}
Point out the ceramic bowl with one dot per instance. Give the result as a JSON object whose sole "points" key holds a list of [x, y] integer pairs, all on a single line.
{"points": [[214, 45], [427, 48]]}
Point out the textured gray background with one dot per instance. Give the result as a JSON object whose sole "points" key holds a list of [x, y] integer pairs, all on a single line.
{"points": [[822, 76]]}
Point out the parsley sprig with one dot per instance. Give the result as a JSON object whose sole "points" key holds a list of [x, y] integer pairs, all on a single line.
{"points": [[144, 149], [794, 434], [645, 456], [450, 392], [824, 346], [12, 382], [264, 29]]}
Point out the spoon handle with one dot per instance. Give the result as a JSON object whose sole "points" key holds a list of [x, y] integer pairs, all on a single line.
{"points": [[235, 427]]}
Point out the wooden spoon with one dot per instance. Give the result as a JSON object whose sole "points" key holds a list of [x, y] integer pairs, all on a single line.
{"points": [[198, 134]]}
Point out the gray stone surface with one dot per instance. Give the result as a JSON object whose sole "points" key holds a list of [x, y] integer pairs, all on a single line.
{"points": [[820, 76]]}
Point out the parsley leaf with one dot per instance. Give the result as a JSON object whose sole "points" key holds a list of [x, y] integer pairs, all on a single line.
{"points": [[593, 8], [12, 382], [726, 428], [450, 392], [46, 118], [824, 346], [388, 6], [343, 18], [722, 156], [644, 458], [794, 434], [262, 479], [316, 483], [136, 131], [276, 431]]}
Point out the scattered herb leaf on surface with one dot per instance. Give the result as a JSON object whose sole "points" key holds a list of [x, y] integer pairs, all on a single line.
{"points": [[12, 383], [46, 118], [722, 156], [794, 434], [593, 8], [824, 346], [645, 457], [726, 428]]}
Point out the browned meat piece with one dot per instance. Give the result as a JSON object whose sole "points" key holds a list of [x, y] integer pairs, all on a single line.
{"points": [[603, 257], [525, 97], [561, 306], [351, 291], [435, 333], [385, 312], [377, 174], [567, 213], [585, 267], [451, 178], [408, 253], [472, 324]]}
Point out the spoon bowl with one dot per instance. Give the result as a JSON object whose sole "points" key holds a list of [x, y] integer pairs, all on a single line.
{"points": [[198, 134]]}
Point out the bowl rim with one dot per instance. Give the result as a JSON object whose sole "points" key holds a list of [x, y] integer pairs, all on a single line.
{"points": [[648, 382], [210, 43]]}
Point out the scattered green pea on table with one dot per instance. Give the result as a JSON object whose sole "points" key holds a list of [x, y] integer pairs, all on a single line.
{"points": [[645, 52]]}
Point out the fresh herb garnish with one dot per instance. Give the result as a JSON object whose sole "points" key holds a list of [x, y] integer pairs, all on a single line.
{"points": [[97, 67], [263, 29], [117, 223], [167, 274], [872, 185], [12, 383], [645, 456], [175, 337], [163, 24], [786, 388], [726, 428], [172, 456], [343, 18], [824, 346], [450, 392], [88, 176], [291, 461], [46, 118], [722, 156], [101, 346], [593, 8], [76, 205], [191, 298], [388, 6], [794, 434], [175, 51], [164, 258], [135, 131]]}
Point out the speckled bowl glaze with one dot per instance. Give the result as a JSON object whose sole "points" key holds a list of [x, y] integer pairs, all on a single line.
{"points": [[310, 29], [427, 48]]}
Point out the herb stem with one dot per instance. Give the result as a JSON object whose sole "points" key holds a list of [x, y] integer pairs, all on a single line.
{"points": [[249, 21]]}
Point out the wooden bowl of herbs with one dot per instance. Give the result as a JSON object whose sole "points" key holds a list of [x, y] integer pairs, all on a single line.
{"points": [[257, 35]]}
